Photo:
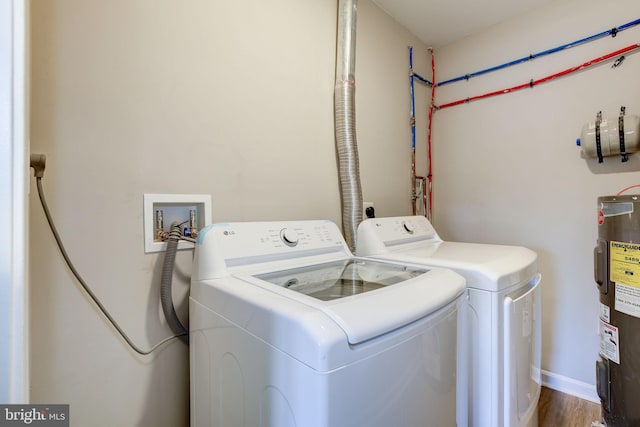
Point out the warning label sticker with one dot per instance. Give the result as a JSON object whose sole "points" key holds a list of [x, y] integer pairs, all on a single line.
{"points": [[628, 300], [604, 313], [609, 343], [624, 263]]}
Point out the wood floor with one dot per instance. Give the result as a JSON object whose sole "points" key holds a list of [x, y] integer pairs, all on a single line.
{"points": [[557, 409]]}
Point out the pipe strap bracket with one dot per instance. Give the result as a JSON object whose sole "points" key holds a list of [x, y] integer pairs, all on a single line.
{"points": [[623, 151], [598, 141]]}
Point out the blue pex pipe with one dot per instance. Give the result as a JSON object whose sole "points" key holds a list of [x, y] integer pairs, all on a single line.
{"points": [[413, 73], [412, 77], [413, 101], [612, 32], [422, 79]]}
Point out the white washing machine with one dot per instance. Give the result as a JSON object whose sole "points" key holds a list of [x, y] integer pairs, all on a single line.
{"points": [[502, 341], [287, 329]]}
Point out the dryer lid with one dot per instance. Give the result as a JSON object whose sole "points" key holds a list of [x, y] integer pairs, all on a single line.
{"points": [[413, 240], [485, 267]]}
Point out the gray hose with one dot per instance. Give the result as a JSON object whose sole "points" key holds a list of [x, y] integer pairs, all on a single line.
{"points": [[166, 297], [345, 123], [39, 170]]}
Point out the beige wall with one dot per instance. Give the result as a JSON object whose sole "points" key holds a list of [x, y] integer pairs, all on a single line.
{"points": [[507, 169], [232, 99]]}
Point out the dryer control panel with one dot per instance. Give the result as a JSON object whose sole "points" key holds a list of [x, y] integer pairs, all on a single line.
{"points": [[397, 230]]}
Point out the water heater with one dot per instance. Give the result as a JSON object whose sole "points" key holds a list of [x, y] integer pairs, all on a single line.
{"points": [[617, 274]]}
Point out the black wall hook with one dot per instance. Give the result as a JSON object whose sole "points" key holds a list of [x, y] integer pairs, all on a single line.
{"points": [[618, 62]]}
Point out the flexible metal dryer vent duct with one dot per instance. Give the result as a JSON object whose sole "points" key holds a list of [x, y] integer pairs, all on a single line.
{"points": [[345, 123]]}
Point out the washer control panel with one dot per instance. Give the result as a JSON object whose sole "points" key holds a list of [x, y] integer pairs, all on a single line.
{"points": [[289, 236], [244, 243]]}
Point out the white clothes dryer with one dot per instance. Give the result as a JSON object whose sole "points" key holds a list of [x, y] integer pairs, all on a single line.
{"points": [[501, 341], [288, 329]]}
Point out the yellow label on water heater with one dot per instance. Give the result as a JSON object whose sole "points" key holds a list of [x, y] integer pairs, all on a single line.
{"points": [[624, 263]]}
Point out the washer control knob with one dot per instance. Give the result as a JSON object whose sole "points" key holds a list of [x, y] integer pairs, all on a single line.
{"points": [[289, 236], [408, 228]]}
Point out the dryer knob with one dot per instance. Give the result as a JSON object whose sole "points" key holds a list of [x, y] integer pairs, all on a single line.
{"points": [[407, 227], [289, 236]]}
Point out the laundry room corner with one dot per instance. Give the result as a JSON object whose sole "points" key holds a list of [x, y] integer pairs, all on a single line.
{"points": [[507, 169]]}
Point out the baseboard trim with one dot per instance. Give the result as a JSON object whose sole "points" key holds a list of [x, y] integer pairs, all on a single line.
{"points": [[570, 386]]}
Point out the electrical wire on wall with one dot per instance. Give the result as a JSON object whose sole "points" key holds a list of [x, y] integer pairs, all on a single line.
{"points": [[38, 164], [627, 189]]}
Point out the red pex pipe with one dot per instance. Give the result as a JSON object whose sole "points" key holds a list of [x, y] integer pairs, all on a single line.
{"points": [[429, 183], [532, 83]]}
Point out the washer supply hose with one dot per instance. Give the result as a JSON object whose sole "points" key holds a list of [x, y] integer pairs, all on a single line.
{"points": [[166, 296]]}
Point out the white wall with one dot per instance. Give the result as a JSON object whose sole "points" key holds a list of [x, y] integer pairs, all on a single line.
{"points": [[507, 170], [14, 375], [232, 99]]}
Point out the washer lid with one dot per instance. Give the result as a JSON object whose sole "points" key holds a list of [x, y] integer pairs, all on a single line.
{"points": [[340, 279], [367, 298]]}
